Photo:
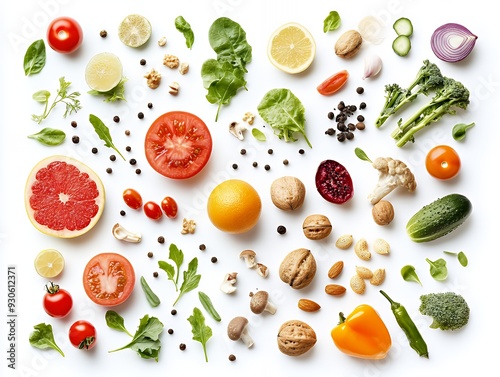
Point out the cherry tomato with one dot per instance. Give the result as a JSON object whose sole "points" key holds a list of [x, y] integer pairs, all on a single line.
{"points": [[333, 83], [152, 210], [82, 335], [64, 35], [132, 198], [108, 279], [57, 302], [442, 162], [178, 145], [169, 206]]}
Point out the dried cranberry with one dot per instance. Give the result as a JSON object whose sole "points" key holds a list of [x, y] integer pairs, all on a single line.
{"points": [[333, 182]]}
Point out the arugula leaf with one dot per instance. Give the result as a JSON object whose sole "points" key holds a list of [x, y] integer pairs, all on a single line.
{"points": [[42, 338], [170, 270], [201, 332], [49, 136], [116, 321], [185, 28], [115, 94], [177, 256], [191, 279], [103, 132], [331, 22], [35, 58], [284, 112]]}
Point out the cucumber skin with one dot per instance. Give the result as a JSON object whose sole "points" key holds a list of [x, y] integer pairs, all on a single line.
{"points": [[439, 218]]}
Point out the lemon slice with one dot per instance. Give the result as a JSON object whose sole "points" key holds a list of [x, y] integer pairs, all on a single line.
{"points": [[103, 72], [291, 48], [49, 263], [134, 30]]}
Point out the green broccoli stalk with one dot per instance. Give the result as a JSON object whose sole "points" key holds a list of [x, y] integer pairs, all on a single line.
{"points": [[452, 95], [428, 78], [449, 310]]}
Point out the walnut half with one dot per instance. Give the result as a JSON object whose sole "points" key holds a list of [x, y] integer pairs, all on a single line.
{"points": [[154, 78], [295, 338], [298, 268]]}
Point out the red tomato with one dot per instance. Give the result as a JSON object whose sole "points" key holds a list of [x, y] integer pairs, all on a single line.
{"points": [[169, 206], [178, 145], [108, 279], [333, 83], [57, 302], [442, 162], [64, 35], [132, 198], [82, 335], [152, 210]]}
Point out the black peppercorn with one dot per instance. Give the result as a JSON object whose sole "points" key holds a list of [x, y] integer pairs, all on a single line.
{"points": [[243, 151], [330, 132], [155, 274], [138, 171], [128, 148], [161, 239], [103, 33], [182, 346], [170, 331], [112, 157], [362, 105], [235, 166], [94, 150], [116, 119], [232, 357], [150, 105], [341, 136], [360, 118], [270, 151], [349, 135], [285, 162], [213, 259], [142, 61], [127, 132], [109, 170], [75, 139], [133, 161], [267, 167], [140, 115], [281, 229], [255, 164], [331, 115], [74, 124], [150, 254], [173, 312], [122, 212], [301, 151], [202, 247], [360, 90]]}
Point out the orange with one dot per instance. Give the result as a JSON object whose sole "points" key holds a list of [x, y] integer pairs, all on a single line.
{"points": [[234, 206]]}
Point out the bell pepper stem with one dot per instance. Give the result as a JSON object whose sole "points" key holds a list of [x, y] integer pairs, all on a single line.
{"points": [[341, 318]]}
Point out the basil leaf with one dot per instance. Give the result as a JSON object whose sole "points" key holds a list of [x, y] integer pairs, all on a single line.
{"points": [[41, 96], [201, 332], [116, 321], [35, 58], [459, 130], [49, 136], [42, 337], [409, 274], [258, 134], [331, 22], [150, 295], [438, 269], [185, 28], [209, 307], [361, 154], [103, 132]]}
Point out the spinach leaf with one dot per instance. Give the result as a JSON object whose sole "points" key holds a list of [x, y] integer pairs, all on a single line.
{"points": [[331, 22], [462, 258], [209, 307], [42, 337], [201, 332], [361, 154], [185, 28], [115, 321], [103, 132], [409, 274], [438, 269], [115, 94], [49, 136], [35, 58], [284, 112], [459, 130]]}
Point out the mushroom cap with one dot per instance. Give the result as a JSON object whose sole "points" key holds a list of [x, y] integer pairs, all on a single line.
{"points": [[236, 327], [247, 253], [259, 301]]}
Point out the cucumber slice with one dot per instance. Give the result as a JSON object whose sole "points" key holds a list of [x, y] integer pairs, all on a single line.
{"points": [[403, 26], [401, 45]]}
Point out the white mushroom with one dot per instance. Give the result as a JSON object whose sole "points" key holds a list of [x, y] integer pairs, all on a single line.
{"points": [[227, 285], [123, 234], [262, 270], [260, 303], [249, 257], [237, 329], [237, 130]]}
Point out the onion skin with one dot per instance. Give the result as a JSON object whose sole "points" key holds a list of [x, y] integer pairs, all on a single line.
{"points": [[444, 49]]}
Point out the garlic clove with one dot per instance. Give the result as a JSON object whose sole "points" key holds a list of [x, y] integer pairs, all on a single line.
{"points": [[373, 66], [123, 234]]}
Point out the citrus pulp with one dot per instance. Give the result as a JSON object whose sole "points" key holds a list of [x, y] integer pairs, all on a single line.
{"points": [[49, 263]]}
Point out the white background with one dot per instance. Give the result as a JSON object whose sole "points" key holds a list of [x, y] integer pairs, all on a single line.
{"points": [[450, 352]]}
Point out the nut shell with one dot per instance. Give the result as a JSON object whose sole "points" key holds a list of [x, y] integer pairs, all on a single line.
{"points": [[288, 193], [383, 212], [295, 338], [316, 227], [298, 268], [348, 44]]}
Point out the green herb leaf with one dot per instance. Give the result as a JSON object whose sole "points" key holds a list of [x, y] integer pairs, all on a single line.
{"points": [[49, 136], [41, 96], [150, 295], [459, 130], [438, 269], [284, 112], [361, 154], [177, 256], [103, 132], [116, 321], [209, 307], [170, 270], [35, 58], [462, 258], [258, 134], [191, 279], [42, 338], [185, 28], [409, 274], [201, 332], [115, 94], [331, 22]]}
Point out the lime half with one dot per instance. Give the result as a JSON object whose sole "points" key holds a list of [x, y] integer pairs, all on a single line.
{"points": [[104, 71], [134, 30], [49, 263]]}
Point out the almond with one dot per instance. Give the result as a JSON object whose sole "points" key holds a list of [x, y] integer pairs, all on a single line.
{"points": [[381, 246], [358, 284], [378, 276], [336, 269], [308, 305], [344, 242], [334, 289], [361, 249], [364, 272]]}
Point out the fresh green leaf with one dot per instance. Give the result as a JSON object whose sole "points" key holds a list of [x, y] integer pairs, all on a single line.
{"points": [[361, 154], [438, 269], [103, 132], [115, 94], [42, 337], [201, 332], [177, 256], [35, 58], [460, 129], [191, 279], [284, 112], [209, 307], [185, 28], [409, 274], [150, 295], [49, 136], [462, 258], [332, 21], [258, 134], [41, 96], [116, 321], [170, 270]]}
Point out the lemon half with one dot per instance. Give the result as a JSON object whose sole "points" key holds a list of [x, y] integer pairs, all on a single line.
{"points": [[103, 72], [134, 30], [49, 263]]}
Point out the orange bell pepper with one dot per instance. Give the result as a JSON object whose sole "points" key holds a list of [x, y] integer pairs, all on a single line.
{"points": [[362, 334]]}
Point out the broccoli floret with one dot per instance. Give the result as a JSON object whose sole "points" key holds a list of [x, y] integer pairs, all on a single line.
{"points": [[449, 310]]}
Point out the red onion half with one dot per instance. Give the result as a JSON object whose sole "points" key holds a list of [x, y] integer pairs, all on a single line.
{"points": [[452, 42]]}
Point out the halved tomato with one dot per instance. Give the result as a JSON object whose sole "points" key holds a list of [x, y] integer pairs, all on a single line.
{"points": [[178, 145], [109, 279]]}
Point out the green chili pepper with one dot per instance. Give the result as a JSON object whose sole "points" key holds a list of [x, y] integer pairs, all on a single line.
{"points": [[150, 295], [209, 307], [408, 326]]}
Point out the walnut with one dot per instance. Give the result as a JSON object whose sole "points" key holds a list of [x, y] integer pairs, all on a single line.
{"points": [[249, 117], [383, 212], [295, 338], [298, 268], [316, 227], [174, 88], [154, 78], [188, 226], [183, 68], [288, 193], [171, 61], [348, 44]]}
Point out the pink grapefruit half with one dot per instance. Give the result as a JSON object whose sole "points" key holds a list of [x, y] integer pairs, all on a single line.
{"points": [[64, 198]]}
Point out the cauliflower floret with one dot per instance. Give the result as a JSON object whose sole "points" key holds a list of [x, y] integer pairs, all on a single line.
{"points": [[392, 174]]}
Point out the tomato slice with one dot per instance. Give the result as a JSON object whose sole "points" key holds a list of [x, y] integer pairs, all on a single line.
{"points": [[333, 83], [178, 145], [108, 279]]}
